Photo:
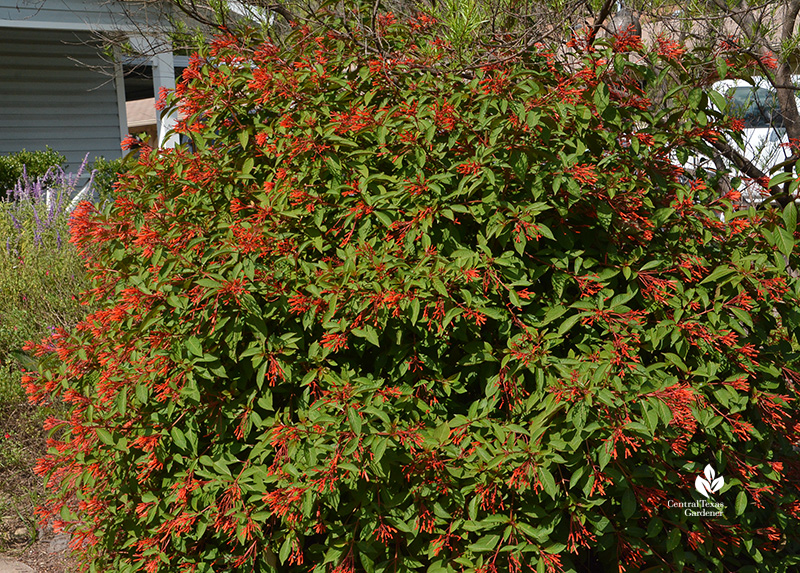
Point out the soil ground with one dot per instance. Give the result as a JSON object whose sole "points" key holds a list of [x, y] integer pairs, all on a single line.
{"points": [[21, 490]]}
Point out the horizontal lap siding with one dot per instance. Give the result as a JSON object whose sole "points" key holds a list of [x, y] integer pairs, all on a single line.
{"points": [[56, 90], [94, 13]]}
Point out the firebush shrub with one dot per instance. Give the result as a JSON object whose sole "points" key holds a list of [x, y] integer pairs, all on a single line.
{"points": [[381, 316]]}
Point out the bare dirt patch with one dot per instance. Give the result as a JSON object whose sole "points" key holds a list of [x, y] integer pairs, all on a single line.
{"points": [[22, 443]]}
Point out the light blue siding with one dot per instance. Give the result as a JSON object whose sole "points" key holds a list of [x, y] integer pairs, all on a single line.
{"points": [[81, 14], [57, 90]]}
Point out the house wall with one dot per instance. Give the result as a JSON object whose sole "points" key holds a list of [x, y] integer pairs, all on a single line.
{"points": [[57, 90], [86, 15]]}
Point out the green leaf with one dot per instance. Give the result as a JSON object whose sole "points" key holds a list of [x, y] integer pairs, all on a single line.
{"points": [[604, 455], [193, 345], [559, 282], [542, 566], [545, 231], [442, 433], [553, 313], [472, 508], [354, 418], [790, 217], [519, 163], [485, 543], [430, 132], [718, 273], [178, 437], [367, 332], [602, 97], [576, 476], [548, 482], [741, 502], [695, 99], [383, 218], [650, 417], [105, 436], [122, 401], [286, 549], [628, 504], [27, 362], [568, 323], [190, 391], [655, 526], [676, 360], [142, 393], [439, 286], [605, 214], [191, 438], [379, 448], [781, 177], [784, 241], [450, 315], [414, 310], [743, 316], [248, 166], [372, 335], [221, 467], [717, 98], [578, 414], [673, 539]]}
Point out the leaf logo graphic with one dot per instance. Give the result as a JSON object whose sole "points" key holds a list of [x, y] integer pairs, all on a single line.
{"points": [[709, 484]]}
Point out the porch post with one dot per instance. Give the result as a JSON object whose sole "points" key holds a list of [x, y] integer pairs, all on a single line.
{"points": [[163, 65], [164, 77], [119, 84]]}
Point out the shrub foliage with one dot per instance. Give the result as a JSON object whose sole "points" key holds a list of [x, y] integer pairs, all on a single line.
{"points": [[30, 164], [386, 317], [105, 173]]}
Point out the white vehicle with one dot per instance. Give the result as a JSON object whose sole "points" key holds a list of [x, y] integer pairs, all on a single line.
{"points": [[764, 140]]}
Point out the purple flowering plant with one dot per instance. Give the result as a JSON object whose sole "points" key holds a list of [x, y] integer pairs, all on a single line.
{"points": [[41, 273]]}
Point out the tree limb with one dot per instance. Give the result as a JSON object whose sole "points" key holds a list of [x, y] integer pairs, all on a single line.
{"points": [[747, 167], [282, 11], [601, 17], [742, 164]]}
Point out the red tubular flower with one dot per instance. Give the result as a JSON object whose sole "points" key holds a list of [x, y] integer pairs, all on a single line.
{"points": [[628, 41], [469, 168], [669, 48], [583, 173], [769, 61], [335, 341]]}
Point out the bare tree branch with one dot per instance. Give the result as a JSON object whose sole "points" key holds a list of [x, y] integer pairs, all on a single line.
{"points": [[601, 17], [741, 163], [282, 11]]}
